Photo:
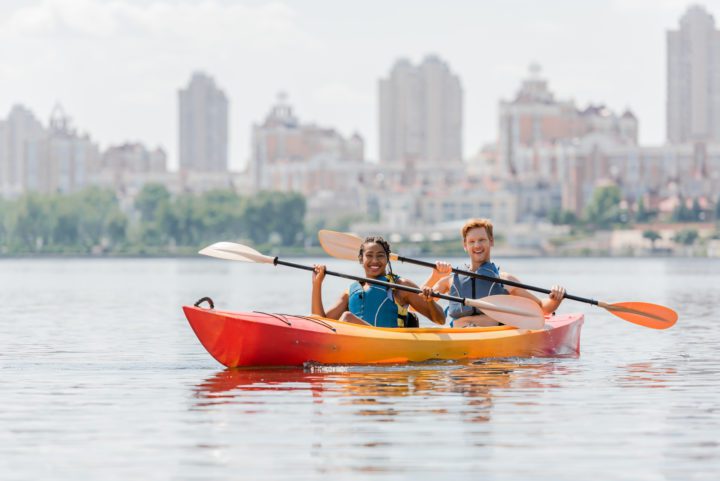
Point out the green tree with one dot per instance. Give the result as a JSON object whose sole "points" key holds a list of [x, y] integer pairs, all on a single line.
{"points": [[563, 217], [604, 211], [697, 214], [274, 212], [149, 200], [682, 213], [97, 206], [643, 214], [4, 237], [117, 228], [258, 216], [151, 235], [222, 213], [652, 236], [686, 237], [184, 220], [290, 212], [31, 223], [68, 217]]}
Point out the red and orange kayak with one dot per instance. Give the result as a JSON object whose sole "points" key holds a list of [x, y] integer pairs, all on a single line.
{"points": [[265, 339]]}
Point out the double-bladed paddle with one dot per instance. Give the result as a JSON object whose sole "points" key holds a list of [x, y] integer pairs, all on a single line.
{"points": [[346, 246], [510, 310]]}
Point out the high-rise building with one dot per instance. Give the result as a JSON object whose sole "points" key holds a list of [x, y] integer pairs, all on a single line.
{"points": [[693, 79], [65, 160], [203, 126], [420, 109], [19, 135]]}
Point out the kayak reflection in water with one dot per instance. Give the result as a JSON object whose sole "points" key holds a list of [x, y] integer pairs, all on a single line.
{"points": [[376, 305], [478, 242]]}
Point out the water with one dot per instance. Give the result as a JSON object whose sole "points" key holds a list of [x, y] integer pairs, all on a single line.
{"points": [[102, 378]]}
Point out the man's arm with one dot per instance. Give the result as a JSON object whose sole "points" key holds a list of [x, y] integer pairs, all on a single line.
{"points": [[548, 304], [425, 306]]}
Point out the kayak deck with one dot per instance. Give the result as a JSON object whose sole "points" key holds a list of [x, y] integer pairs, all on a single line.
{"points": [[269, 339]]}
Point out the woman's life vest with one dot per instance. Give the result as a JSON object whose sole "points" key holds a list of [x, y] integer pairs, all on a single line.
{"points": [[474, 288], [377, 305]]}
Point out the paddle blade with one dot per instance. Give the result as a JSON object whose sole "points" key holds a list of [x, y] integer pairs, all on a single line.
{"points": [[343, 245], [643, 313], [236, 252], [340, 244], [511, 310]]}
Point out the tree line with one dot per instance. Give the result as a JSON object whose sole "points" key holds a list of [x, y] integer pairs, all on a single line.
{"points": [[607, 209], [94, 221]]}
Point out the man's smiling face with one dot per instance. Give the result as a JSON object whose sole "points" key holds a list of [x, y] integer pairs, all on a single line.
{"points": [[478, 244]]}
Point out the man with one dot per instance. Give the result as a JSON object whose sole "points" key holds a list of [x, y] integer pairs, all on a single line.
{"points": [[478, 242]]}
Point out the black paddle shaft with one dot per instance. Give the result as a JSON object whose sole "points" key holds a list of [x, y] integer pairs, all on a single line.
{"points": [[500, 281], [390, 285]]}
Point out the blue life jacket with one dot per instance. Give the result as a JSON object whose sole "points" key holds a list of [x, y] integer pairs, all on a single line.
{"points": [[377, 305], [474, 288]]}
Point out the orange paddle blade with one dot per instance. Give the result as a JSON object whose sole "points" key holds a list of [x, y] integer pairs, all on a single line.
{"points": [[643, 313]]}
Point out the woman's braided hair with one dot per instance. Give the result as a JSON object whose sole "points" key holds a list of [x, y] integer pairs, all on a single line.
{"points": [[376, 239]]}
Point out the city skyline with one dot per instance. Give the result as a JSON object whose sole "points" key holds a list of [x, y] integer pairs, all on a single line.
{"points": [[486, 47]]}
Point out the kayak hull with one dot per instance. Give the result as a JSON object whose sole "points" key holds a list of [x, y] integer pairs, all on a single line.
{"points": [[247, 339]]}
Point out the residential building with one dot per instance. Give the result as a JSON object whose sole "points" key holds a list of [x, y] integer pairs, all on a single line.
{"points": [[36, 159], [302, 157], [693, 79], [420, 113], [19, 135], [203, 125], [535, 122], [130, 164], [134, 158], [65, 160]]}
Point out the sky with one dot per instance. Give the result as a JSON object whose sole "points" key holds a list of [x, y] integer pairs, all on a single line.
{"points": [[116, 65]]}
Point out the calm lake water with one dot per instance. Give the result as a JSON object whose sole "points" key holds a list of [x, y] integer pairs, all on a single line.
{"points": [[102, 378]]}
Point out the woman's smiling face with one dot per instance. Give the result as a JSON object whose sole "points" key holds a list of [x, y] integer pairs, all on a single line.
{"points": [[374, 260]]}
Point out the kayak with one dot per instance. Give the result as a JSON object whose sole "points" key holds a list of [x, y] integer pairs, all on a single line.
{"points": [[260, 339]]}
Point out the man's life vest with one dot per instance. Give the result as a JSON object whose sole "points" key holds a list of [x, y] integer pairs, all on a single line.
{"points": [[474, 288]]}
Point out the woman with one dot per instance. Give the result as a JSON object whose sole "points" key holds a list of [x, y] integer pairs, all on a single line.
{"points": [[371, 304]]}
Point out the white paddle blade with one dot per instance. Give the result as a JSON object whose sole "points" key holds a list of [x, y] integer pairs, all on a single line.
{"points": [[340, 244], [236, 252], [343, 245], [511, 310]]}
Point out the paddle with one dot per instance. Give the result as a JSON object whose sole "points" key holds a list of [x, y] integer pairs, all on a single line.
{"points": [[347, 246], [509, 310]]}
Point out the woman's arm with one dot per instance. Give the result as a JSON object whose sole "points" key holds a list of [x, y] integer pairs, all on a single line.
{"points": [[425, 306], [318, 309]]}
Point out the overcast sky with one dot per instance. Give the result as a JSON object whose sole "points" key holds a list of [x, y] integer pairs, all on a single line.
{"points": [[116, 65]]}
